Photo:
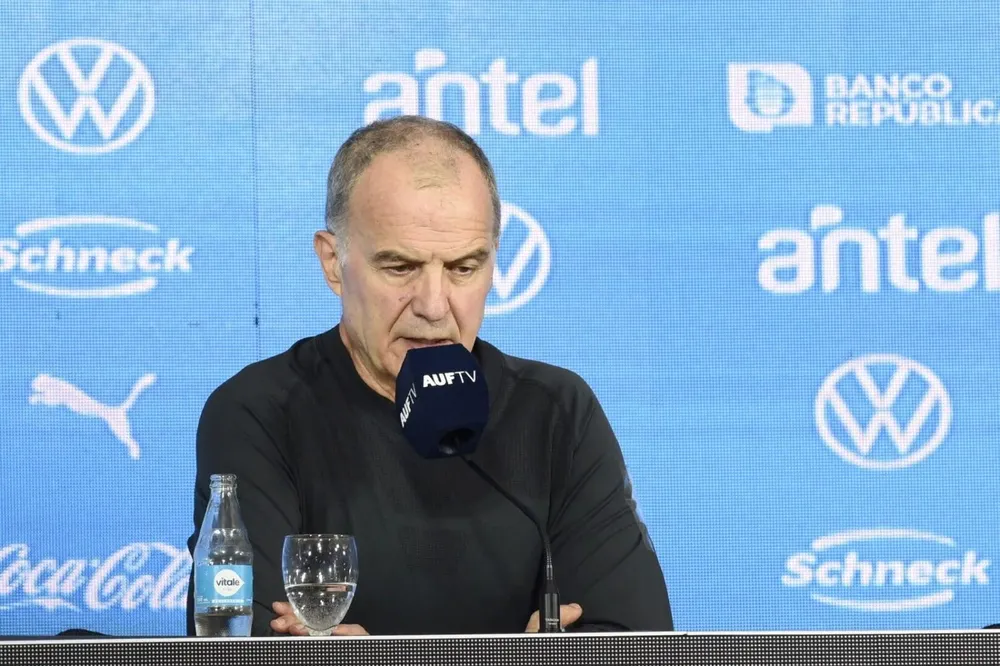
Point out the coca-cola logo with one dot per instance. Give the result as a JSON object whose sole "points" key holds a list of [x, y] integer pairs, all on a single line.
{"points": [[150, 575]]}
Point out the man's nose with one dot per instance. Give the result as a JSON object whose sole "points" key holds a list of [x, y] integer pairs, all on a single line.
{"points": [[430, 301]]}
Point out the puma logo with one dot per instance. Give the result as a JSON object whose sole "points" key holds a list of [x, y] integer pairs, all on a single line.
{"points": [[55, 392]]}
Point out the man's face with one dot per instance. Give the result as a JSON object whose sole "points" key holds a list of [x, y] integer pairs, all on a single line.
{"points": [[419, 258]]}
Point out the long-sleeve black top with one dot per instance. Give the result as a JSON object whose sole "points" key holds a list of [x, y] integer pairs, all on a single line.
{"points": [[315, 450]]}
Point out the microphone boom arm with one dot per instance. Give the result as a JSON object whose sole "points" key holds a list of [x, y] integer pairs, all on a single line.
{"points": [[549, 607]]}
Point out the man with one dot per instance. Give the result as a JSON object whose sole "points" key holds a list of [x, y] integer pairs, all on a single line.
{"points": [[413, 221]]}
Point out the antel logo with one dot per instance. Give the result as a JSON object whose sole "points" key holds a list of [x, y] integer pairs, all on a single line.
{"points": [[764, 95], [518, 281], [227, 582], [885, 570], [116, 94], [899, 397], [899, 255], [83, 256], [549, 104]]}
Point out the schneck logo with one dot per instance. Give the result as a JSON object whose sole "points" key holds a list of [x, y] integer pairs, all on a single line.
{"points": [[885, 570], [138, 575], [67, 263], [852, 391], [552, 104], [520, 278], [115, 94], [763, 96]]}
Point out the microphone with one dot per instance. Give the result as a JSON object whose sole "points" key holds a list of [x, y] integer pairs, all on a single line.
{"points": [[444, 404], [443, 400]]}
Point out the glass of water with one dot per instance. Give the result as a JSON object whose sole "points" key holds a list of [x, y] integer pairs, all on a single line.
{"points": [[320, 573]]}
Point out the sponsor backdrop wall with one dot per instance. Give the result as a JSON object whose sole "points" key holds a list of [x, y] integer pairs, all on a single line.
{"points": [[767, 234]]}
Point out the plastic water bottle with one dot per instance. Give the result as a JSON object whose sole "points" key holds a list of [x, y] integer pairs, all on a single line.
{"points": [[223, 560]]}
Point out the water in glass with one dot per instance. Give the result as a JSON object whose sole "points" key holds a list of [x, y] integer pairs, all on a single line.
{"points": [[320, 573]]}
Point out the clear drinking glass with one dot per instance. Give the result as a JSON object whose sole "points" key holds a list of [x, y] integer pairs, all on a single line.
{"points": [[320, 573]]}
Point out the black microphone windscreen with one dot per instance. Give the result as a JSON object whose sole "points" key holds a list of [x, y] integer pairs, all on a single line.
{"points": [[442, 400]]}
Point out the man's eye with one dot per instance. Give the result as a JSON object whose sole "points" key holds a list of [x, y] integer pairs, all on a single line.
{"points": [[401, 269], [464, 270]]}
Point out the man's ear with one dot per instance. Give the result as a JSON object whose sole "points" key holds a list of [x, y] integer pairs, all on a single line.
{"points": [[325, 245]]}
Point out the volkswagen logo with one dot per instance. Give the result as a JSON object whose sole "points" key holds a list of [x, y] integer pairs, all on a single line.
{"points": [[882, 411], [519, 279], [115, 94]]}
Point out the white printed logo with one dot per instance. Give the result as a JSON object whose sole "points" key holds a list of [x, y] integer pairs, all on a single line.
{"points": [[567, 104], [764, 95], [852, 390], [511, 287], [55, 392], [55, 76], [68, 269], [951, 259], [884, 570], [448, 378], [227, 582], [154, 575]]}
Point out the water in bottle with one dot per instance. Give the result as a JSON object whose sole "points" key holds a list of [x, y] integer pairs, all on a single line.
{"points": [[223, 559]]}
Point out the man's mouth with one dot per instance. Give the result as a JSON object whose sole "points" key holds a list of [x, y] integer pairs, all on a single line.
{"points": [[427, 342]]}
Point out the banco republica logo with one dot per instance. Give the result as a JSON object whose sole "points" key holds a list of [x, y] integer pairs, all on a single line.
{"points": [[90, 256], [765, 95], [527, 259], [885, 570], [86, 96], [882, 412]]}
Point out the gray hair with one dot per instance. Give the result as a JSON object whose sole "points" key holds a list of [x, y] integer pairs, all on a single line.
{"points": [[384, 136]]}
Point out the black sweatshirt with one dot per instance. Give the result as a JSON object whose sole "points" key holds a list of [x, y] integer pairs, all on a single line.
{"points": [[315, 450]]}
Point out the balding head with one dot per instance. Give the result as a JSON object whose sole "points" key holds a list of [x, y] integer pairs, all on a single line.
{"points": [[428, 146]]}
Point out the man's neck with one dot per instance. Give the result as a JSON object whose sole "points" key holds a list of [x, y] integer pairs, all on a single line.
{"points": [[363, 369]]}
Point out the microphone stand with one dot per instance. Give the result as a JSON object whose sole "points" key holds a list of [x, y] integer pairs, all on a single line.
{"points": [[548, 608]]}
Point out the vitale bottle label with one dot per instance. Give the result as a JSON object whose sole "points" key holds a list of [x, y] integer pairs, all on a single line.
{"points": [[222, 585]]}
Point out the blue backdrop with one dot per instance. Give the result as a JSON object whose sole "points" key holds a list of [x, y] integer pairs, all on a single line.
{"points": [[767, 233]]}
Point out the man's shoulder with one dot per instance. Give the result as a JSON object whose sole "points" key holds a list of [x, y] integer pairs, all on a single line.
{"points": [[552, 377], [530, 378], [268, 383]]}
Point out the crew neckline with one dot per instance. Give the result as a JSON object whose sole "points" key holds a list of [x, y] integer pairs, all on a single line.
{"points": [[490, 360]]}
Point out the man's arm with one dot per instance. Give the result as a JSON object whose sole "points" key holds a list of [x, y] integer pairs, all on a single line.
{"points": [[244, 435], [602, 555]]}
